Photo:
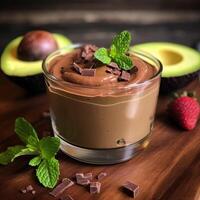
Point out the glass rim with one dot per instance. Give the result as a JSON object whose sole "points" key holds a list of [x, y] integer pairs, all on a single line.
{"points": [[127, 86]]}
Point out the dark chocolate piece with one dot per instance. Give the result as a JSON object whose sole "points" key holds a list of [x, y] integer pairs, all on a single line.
{"points": [[59, 189], [77, 68], [83, 179], [125, 76], [88, 52], [88, 72], [29, 188], [23, 191], [33, 192], [101, 175], [95, 187], [114, 71], [88, 176], [131, 189], [113, 65], [68, 197]]}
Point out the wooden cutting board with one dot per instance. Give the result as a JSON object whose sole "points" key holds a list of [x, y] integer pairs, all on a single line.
{"points": [[167, 169]]}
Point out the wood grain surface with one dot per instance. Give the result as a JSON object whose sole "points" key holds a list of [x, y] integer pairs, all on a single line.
{"points": [[168, 169]]}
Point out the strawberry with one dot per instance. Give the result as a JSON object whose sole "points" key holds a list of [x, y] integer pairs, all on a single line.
{"points": [[185, 111]]}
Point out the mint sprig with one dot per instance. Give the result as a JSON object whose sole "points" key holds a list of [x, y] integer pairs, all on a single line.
{"points": [[44, 150], [117, 52]]}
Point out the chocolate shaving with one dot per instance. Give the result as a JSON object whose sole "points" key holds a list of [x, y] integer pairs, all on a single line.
{"points": [[59, 189], [68, 197], [88, 72], [125, 76], [131, 189], [95, 187], [77, 68], [101, 175]]}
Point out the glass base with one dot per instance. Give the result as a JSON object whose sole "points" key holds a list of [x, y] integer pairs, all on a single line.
{"points": [[103, 156]]}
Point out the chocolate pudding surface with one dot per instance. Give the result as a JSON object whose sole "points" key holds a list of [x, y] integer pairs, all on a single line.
{"points": [[62, 69]]}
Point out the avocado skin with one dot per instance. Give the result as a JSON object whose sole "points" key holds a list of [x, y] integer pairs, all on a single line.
{"points": [[34, 84], [172, 84]]}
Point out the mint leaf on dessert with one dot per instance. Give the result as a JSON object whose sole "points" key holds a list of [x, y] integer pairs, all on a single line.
{"points": [[49, 146], [113, 51], [24, 129], [7, 156], [117, 53], [48, 172], [122, 42], [102, 55], [124, 62], [35, 161]]}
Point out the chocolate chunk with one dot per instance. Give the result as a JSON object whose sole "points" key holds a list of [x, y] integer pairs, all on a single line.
{"points": [[131, 189], [114, 71], [29, 188], [68, 197], [95, 187], [88, 52], [125, 76], [33, 192], [88, 176], [77, 68], [114, 65], [88, 72], [101, 175], [59, 189], [23, 191], [82, 179]]}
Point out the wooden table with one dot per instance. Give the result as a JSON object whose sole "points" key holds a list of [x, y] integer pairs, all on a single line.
{"points": [[168, 169]]}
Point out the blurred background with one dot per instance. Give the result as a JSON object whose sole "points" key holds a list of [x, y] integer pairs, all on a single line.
{"points": [[97, 21]]}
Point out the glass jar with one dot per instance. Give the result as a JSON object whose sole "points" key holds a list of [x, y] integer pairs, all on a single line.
{"points": [[102, 125]]}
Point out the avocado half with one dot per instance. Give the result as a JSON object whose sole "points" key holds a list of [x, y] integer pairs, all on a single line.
{"points": [[27, 74], [181, 64]]}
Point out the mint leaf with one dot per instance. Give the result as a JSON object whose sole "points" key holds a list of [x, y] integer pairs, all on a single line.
{"points": [[24, 130], [113, 51], [102, 55], [33, 142], [122, 42], [7, 156], [48, 172], [24, 152], [35, 161], [49, 146], [123, 61]]}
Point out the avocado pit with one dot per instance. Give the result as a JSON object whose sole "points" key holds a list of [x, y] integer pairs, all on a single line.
{"points": [[169, 57], [36, 45]]}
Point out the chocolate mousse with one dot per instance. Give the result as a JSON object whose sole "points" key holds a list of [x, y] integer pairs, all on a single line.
{"points": [[99, 102]]}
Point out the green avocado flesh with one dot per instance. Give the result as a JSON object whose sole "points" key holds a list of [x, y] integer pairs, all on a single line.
{"points": [[178, 60], [12, 66]]}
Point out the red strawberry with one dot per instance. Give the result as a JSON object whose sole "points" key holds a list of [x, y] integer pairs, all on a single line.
{"points": [[185, 111]]}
